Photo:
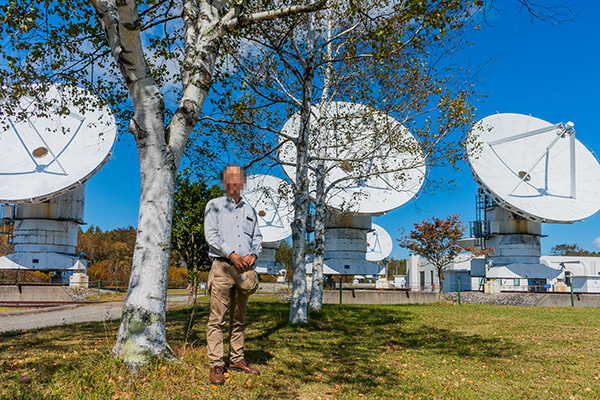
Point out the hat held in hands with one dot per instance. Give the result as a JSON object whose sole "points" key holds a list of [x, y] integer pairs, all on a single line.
{"points": [[246, 281]]}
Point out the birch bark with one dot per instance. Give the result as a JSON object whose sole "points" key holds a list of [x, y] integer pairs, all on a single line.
{"points": [[316, 293], [299, 304]]}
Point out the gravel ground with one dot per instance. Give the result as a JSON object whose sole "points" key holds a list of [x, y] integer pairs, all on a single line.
{"points": [[503, 299], [79, 294]]}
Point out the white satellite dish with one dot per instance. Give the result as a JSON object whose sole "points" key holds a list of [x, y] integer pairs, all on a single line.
{"points": [[355, 138], [44, 164], [267, 195], [274, 210], [379, 244], [42, 157], [536, 169]]}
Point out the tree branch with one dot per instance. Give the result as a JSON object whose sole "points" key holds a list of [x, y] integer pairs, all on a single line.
{"points": [[161, 21], [243, 21]]}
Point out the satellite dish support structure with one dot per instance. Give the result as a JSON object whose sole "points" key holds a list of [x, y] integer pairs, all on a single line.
{"points": [[518, 191]]}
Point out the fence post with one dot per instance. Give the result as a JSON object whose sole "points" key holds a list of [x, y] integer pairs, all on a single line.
{"points": [[458, 282], [341, 276], [98, 287], [117, 289], [572, 297]]}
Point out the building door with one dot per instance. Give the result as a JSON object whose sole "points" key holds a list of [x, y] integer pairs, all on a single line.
{"points": [[422, 283], [537, 285]]}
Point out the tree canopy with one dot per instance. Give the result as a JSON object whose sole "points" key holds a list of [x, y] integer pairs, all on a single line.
{"points": [[189, 205], [436, 240]]}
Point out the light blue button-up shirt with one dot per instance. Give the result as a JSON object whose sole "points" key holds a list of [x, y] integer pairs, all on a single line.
{"points": [[231, 228]]}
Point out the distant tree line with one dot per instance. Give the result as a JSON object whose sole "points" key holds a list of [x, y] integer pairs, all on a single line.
{"points": [[110, 254], [396, 267], [565, 249]]}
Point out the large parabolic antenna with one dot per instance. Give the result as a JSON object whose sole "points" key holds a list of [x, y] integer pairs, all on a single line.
{"points": [[530, 172], [373, 165], [379, 244], [44, 164], [368, 175], [269, 197], [42, 157], [536, 169]]}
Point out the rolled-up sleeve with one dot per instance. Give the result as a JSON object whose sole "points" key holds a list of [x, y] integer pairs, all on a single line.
{"points": [[211, 230]]}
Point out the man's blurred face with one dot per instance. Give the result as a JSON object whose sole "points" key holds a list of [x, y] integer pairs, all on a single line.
{"points": [[233, 180]]}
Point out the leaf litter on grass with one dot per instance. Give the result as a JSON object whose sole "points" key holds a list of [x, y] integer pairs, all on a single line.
{"points": [[345, 352]]}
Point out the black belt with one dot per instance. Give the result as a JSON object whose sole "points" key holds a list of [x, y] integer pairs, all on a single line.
{"points": [[222, 259]]}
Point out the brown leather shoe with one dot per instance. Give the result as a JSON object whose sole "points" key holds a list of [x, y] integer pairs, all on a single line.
{"points": [[216, 375], [243, 366]]}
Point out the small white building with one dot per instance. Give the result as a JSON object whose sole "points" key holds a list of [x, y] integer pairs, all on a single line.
{"points": [[554, 273], [400, 281], [420, 274]]}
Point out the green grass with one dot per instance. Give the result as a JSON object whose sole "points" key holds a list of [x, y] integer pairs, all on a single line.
{"points": [[179, 291], [435, 351], [106, 295], [9, 309]]}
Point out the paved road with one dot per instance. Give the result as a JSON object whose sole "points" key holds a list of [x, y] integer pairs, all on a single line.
{"points": [[71, 315]]}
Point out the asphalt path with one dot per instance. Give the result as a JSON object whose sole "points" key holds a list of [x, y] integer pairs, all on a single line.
{"points": [[65, 315]]}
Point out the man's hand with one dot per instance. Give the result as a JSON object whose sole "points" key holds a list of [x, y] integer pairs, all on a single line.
{"points": [[238, 261], [249, 261]]}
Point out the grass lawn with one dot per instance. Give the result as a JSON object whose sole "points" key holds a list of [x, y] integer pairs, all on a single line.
{"points": [[178, 291], [106, 296], [436, 351], [9, 309]]}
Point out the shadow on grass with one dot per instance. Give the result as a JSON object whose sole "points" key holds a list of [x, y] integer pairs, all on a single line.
{"points": [[258, 357], [41, 355], [178, 324], [358, 341], [267, 317], [360, 346]]}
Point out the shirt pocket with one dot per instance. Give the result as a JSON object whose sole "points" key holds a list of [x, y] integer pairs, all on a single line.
{"points": [[248, 225]]}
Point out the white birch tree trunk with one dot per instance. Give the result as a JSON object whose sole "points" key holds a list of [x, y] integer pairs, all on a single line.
{"points": [[316, 293], [142, 334], [299, 304]]}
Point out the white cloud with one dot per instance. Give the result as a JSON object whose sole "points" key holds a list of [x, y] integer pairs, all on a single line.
{"points": [[596, 243]]}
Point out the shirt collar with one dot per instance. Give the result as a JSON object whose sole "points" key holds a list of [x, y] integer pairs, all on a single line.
{"points": [[232, 202]]}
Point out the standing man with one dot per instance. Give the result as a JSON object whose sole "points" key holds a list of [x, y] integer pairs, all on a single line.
{"points": [[231, 231]]}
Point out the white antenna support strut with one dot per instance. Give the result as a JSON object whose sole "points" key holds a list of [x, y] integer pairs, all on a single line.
{"points": [[563, 130]]}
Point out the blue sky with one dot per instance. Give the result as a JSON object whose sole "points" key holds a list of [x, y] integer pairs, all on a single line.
{"points": [[547, 71]]}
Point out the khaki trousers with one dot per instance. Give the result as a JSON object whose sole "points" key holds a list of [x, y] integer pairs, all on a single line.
{"points": [[222, 289]]}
